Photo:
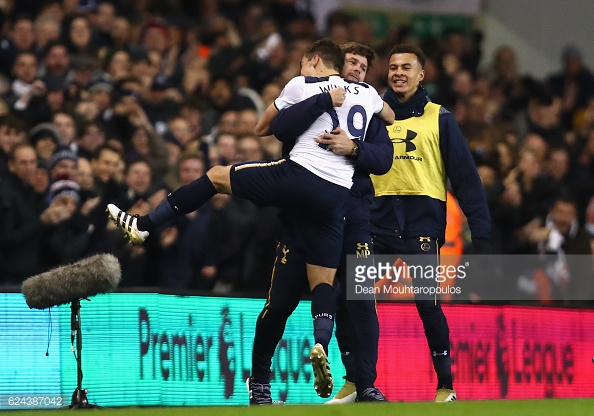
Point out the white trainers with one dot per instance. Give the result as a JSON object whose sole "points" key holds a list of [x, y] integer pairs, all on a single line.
{"points": [[323, 382], [127, 223], [445, 395], [346, 394]]}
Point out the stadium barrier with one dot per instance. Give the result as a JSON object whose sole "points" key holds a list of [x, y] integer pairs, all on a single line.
{"points": [[149, 349]]}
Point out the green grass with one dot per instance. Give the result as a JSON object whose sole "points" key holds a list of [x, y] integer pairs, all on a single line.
{"points": [[462, 408]]}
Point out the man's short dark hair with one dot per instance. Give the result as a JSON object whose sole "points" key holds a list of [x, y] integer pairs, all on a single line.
{"points": [[328, 51], [409, 48], [359, 49], [13, 122], [566, 197], [53, 44], [134, 162], [23, 53], [105, 148]]}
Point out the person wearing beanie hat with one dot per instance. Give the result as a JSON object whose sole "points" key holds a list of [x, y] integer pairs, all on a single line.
{"points": [[70, 240], [64, 194], [45, 137], [63, 164], [64, 188]]}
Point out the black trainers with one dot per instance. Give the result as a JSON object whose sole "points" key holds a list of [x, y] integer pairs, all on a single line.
{"points": [[371, 394], [259, 392]]}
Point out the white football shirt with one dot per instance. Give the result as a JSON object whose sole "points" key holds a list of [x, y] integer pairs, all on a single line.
{"points": [[361, 102]]}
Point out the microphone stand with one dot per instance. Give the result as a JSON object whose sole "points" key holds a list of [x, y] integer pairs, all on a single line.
{"points": [[79, 397]]}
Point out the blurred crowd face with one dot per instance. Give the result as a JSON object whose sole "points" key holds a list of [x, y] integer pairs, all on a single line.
{"points": [[228, 122], [139, 177], [247, 121], [155, 39], [84, 174], [249, 148], [487, 174], [80, 32], [462, 83], [55, 100], [40, 180], [528, 165], [23, 34], [558, 164], [53, 10], [57, 60], [190, 170], [505, 64], [181, 130], [105, 17], [65, 124], [105, 167], [64, 169], [25, 68], [563, 214], [24, 163], [45, 147], [9, 137], [120, 31], [455, 44], [119, 66], [220, 93], [67, 202], [140, 142], [226, 147], [192, 116], [355, 67], [404, 74], [361, 31], [46, 30], [477, 111], [92, 139], [338, 33], [536, 144], [69, 6], [102, 99], [173, 152], [544, 115]]}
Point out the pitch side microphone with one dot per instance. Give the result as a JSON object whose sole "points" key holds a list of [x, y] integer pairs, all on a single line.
{"points": [[85, 278]]}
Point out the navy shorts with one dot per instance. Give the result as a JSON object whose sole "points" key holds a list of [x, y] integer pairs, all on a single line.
{"points": [[311, 207]]}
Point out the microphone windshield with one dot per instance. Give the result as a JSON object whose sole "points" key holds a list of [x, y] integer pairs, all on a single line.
{"points": [[85, 278]]}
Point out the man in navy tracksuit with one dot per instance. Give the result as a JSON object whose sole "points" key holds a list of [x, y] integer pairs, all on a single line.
{"points": [[409, 210], [357, 327]]}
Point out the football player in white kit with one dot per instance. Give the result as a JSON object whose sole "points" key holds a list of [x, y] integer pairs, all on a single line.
{"points": [[311, 187]]}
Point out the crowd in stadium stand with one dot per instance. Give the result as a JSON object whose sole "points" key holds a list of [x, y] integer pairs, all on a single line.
{"points": [[125, 101]]}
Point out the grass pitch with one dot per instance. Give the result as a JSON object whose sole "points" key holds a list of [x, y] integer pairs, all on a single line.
{"points": [[563, 407]]}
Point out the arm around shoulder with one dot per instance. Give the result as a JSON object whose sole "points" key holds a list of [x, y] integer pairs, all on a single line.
{"points": [[263, 126], [387, 114]]}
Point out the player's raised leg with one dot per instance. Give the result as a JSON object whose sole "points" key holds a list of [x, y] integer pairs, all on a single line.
{"points": [[184, 200]]}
